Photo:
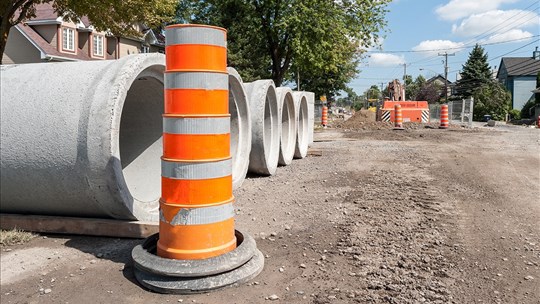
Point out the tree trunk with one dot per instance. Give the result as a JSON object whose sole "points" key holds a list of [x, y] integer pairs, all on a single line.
{"points": [[4, 33]]}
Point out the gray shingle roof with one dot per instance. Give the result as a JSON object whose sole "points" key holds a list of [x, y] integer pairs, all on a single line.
{"points": [[520, 66]]}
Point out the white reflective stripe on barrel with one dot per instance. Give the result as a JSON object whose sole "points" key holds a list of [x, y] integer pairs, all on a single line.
{"points": [[201, 216], [195, 35], [206, 170], [197, 80], [203, 125]]}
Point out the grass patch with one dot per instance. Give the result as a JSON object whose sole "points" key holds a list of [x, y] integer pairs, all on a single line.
{"points": [[15, 236]]}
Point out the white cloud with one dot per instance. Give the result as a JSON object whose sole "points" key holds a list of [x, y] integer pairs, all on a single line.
{"points": [[382, 59], [494, 21], [432, 47], [514, 34], [457, 9]]}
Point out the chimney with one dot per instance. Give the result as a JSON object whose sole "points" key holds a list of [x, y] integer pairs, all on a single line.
{"points": [[536, 54]]}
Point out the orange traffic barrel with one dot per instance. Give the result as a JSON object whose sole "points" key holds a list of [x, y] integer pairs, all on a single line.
{"points": [[196, 205], [444, 117], [324, 116], [398, 117]]}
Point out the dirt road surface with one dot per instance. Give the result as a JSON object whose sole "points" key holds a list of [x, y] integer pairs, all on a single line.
{"points": [[381, 216]]}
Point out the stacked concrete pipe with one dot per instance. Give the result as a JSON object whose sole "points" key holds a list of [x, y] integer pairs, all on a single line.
{"points": [[310, 96], [266, 127], [240, 128], [303, 121], [289, 124], [84, 138]]}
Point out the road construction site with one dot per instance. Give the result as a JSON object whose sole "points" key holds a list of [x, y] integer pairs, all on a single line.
{"points": [[371, 215]]}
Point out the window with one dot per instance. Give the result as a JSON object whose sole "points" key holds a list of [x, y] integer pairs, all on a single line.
{"points": [[98, 45], [68, 39], [145, 49]]}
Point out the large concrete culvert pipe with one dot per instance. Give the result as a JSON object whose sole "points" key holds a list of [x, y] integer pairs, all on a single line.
{"points": [[240, 128], [302, 138], [83, 138], [265, 127], [288, 125]]}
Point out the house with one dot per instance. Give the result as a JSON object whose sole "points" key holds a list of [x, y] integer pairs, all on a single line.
{"points": [[48, 37], [440, 82], [518, 75]]}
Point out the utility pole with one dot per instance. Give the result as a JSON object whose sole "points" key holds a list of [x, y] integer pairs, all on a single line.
{"points": [[404, 80], [445, 54]]}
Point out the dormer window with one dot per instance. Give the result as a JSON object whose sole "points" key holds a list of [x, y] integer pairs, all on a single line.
{"points": [[68, 39], [98, 45]]}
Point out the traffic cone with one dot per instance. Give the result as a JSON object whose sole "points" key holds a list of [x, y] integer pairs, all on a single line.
{"points": [[398, 118], [444, 117], [324, 116], [197, 247]]}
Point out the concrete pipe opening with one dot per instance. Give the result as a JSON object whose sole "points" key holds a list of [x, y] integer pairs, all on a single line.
{"points": [[89, 149], [240, 128], [302, 138], [265, 127], [288, 125]]}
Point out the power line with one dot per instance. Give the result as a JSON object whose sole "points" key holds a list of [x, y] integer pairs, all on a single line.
{"points": [[454, 48]]}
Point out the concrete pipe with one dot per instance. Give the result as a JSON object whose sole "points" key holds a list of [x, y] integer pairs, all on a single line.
{"points": [[302, 116], [288, 125], [265, 127], [240, 128], [310, 96], [83, 138]]}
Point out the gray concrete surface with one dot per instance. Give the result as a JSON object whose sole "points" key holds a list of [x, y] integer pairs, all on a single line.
{"points": [[289, 125], [82, 138], [240, 128], [265, 122]]}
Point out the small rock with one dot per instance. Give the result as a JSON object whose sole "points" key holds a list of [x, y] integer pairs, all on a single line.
{"points": [[273, 297], [300, 292], [302, 265], [281, 269], [529, 278], [93, 261], [46, 291], [180, 300], [287, 227]]}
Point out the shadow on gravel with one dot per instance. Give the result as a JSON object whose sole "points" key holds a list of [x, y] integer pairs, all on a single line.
{"points": [[117, 250]]}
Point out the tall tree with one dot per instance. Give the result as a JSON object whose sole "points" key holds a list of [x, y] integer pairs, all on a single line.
{"points": [[492, 99], [412, 88], [475, 73], [116, 16], [318, 40]]}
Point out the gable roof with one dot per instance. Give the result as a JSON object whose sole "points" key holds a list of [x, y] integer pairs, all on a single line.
{"points": [[47, 50], [519, 66], [439, 78]]}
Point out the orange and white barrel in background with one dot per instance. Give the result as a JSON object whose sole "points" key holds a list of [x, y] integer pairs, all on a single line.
{"points": [[324, 116], [398, 118], [444, 117], [196, 206]]}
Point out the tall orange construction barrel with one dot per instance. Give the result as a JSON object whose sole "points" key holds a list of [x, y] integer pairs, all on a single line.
{"points": [[196, 205], [324, 116], [444, 117]]}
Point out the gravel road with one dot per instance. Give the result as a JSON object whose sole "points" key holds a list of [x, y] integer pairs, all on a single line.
{"points": [[371, 216]]}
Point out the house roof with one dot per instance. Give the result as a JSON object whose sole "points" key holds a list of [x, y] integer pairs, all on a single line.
{"points": [[47, 49], [519, 66], [439, 78]]}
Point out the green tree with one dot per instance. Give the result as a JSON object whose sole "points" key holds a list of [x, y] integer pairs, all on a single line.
{"points": [[116, 16], [492, 99], [475, 73], [412, 88], [319, 40]]}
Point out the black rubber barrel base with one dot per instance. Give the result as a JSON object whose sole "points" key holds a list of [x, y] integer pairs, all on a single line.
{"points": [[196, 276]]}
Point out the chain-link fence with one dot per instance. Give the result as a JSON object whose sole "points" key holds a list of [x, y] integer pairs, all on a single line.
{"points": [[459, 111]]}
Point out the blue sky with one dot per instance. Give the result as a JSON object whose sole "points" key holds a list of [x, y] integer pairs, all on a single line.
{"points": [[416, 27]]}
